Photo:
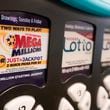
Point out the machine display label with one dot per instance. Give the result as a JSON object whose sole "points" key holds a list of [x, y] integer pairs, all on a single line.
{"points": [[22, 50], [78, 48], [105, 58], [23, 47]]}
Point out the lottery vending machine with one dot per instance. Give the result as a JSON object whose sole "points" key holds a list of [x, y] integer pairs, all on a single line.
{"points": [[54, 55]]}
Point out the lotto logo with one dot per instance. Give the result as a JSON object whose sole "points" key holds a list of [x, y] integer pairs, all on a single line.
{"points": [[2, 61]]}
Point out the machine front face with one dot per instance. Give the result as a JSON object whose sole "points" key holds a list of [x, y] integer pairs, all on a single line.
{"points": [[53, 57]]}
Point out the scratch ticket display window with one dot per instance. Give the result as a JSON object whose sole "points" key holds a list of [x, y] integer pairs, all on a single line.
{"points": [[23, 48], [78, 49], [105, 58]]}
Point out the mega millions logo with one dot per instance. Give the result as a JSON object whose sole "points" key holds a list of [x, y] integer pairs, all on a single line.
{"points": [[20, 44], [10, 41]]}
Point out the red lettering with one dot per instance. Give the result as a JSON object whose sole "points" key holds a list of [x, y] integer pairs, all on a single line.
{"points": [[20, 42], [29, 42], [39, 42], [36, 43], [26, 42]]}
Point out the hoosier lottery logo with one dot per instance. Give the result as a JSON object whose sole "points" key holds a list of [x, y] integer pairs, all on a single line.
{"points": [[20, 44]]}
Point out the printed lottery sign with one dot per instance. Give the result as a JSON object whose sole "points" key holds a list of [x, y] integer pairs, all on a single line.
{"points": [[78, 48], [23, 48], [105, 58]]}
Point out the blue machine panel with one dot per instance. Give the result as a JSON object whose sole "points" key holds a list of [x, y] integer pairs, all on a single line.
{"points": [[97, 7]]}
